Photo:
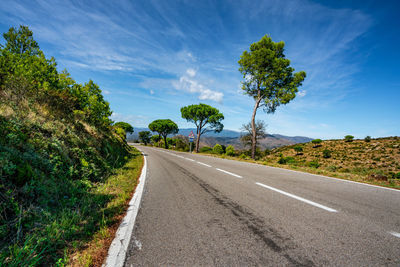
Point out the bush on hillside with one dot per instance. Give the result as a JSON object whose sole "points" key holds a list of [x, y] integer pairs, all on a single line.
{"points": [[367, 139], [298, 149], [217, 149], [348, 138], [230, 150], [326, 153]]}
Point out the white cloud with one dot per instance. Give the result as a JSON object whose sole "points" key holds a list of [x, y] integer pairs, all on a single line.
{"points": [[302, 93], [190, 85], [191, 72], [151, 92]]}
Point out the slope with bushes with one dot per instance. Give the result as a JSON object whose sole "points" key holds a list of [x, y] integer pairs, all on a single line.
{"points": [[370, 160], [57, 146]]}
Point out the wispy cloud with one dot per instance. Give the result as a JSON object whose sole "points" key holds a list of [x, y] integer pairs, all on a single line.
{"points": [[191, 48], [189, 84]]}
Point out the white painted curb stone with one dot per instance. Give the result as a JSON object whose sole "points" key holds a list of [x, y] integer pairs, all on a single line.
{"points": [[119, 246]]}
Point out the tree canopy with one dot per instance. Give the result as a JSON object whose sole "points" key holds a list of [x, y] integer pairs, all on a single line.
{"points": [[205, 117], [164, 127], [268, 78], [124, 125]]}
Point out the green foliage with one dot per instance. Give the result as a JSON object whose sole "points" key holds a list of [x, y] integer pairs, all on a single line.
{"points": [[313, 164], [124, 125], [230, 150], [145, 137], [367, 139], [267, 74], [349, 138], [217, 149], [155, 139], [326, 153], [316, 141], [298, 149], [205, 117], [164, 128], [397, 175], [268, 78], [205, 149], [286, 160], [56, 144]]}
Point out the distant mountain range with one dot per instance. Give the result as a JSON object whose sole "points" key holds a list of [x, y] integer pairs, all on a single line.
{"points": [[229, 137]]}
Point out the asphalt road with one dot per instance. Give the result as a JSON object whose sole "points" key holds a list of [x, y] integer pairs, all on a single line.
{"points": [[201, 211]]}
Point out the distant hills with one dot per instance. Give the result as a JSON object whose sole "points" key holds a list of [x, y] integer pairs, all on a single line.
{"points": [[229, 137]]}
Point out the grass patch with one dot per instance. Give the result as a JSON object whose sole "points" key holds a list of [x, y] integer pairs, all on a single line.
{"points": [[120, 188]]}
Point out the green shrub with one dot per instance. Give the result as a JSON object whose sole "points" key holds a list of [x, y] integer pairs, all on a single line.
{"points": [[205, 149], [313, 164], [243, 156], [267, 152], [397, 175], [218, 149], [348, 138], [230, 150], [367, 139], [298, 149], [286, 160], [326, 153], [316, 141]]}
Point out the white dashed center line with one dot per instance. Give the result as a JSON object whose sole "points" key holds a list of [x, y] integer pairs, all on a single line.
{"points": [[298, 198], [238, 176], [189, 159], [203, 164], [395, 234]]}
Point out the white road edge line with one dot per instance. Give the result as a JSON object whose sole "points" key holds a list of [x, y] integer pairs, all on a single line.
{"points": [[298, 198], [238, 176], [203, 164], [395, 234], [119, 246]]}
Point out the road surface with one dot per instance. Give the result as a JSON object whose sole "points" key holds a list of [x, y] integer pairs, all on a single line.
{"points": [[201, 211]]}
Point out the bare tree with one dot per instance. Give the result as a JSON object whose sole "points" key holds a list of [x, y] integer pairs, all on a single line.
{"points": [[247, 135]]}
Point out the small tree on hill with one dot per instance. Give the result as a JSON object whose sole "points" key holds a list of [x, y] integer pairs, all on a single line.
{"points": [[367, 139], [298, 149], [145, 136], [202, 115], [268, 78], [164, 128], [349, 138]]}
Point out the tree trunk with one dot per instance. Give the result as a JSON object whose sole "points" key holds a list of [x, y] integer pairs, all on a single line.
{"points": [[253, 129], [198, 139], [165, 142]]}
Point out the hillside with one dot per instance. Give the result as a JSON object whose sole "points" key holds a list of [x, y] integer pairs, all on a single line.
{"points": [[377, 161], [57, 148]]}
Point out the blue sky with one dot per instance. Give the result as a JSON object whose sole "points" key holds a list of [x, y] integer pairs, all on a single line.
{"points": [[152, 57]]}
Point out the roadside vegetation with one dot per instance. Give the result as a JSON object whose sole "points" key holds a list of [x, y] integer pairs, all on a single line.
{"points": [[62, 160]]}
